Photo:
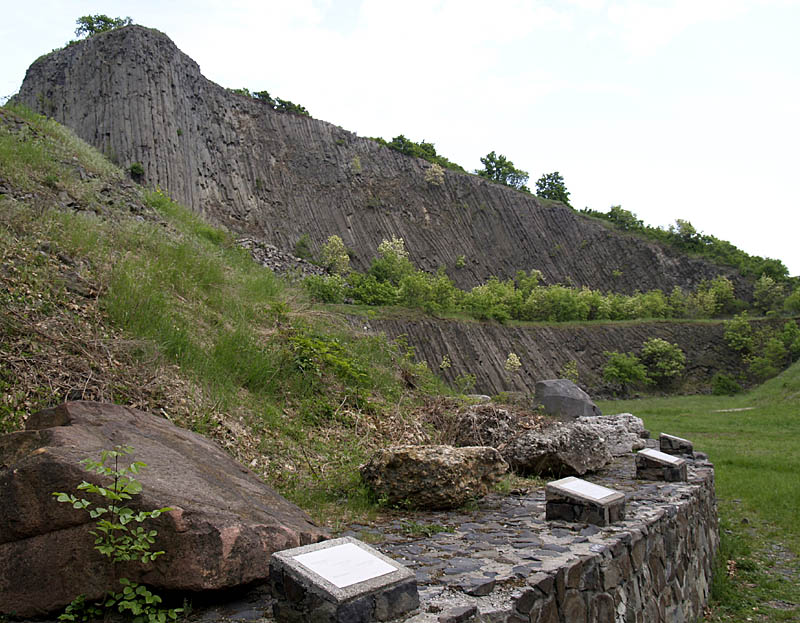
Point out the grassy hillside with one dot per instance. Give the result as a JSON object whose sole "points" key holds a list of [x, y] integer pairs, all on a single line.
{"points": [[112, 292], [754, 442]]}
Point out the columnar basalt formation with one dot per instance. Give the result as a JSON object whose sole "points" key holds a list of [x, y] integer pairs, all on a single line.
{"points": [[277, 176]]}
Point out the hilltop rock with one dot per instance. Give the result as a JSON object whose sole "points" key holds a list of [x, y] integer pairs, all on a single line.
{"points": [[565, 400], [225, 524], [276, 176], [433, 477]]}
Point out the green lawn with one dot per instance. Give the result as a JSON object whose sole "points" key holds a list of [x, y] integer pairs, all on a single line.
{"points": [[753, 440]]}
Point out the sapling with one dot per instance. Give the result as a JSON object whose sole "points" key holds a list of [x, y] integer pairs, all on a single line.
{"points": [[120, 537]]}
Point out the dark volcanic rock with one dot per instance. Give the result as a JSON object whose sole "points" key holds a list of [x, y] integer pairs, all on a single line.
{"points": [[225, 524], [565, 400], [481, 349], [276, 176]]}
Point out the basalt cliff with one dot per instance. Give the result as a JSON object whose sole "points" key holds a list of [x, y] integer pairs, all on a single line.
{"points": [[278, 176]]}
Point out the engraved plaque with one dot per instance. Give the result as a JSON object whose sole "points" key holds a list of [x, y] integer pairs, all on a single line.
{"points": [[344, 565], [586, 489], [661, 456]]}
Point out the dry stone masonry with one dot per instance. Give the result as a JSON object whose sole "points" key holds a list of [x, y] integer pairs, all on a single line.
{"points": [[504, 562]]}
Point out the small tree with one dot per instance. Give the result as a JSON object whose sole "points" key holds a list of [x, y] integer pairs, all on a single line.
{"points": [[119, 538], [665, 362], [89, 25], [501, 170], [335, 256], [624, 370], [551, 186], [434, 175], [768, 294]]}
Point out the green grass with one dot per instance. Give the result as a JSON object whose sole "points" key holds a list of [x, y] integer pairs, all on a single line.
{"points": [[281, 383], [753, 440]]}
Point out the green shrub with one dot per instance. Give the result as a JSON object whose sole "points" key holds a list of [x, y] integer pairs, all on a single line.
{"points": [[302, 248], [739, 334], [724, 385], [768, 294], [624, 370], [118, 538], [665, 362], [367, 290], [136, 170], [790, 336], [326, 288], [335, 257], [792, 302]]}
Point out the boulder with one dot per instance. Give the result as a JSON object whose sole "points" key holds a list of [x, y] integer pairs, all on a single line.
{"points": [[623, 432], [560, 450], [225, 525], [433, 477], [565, 400]]}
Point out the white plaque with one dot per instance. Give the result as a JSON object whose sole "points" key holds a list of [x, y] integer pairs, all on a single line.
{"points": [[587, 489], [344, 565], [661, 456]]}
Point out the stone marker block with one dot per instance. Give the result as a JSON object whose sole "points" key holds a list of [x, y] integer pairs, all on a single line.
{"points": [[675, 445], [339, 581], [574, 499], [654, 465]]}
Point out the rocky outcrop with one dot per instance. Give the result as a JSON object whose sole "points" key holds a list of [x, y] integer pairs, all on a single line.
{"points": [[623, 432], [564, 400], [558, 450], [433, 477], [225, 524], [277, 176], [536, 445], [481, 349]]}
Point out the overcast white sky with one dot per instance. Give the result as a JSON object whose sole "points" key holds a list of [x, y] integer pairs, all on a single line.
{"points": [[673, 108]]}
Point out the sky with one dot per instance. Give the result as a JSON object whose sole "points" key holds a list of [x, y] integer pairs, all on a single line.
{"points": [[673, 109]]}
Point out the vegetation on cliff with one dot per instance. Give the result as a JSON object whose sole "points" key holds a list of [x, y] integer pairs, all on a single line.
{"points": [[111, 292], [685, 237]]}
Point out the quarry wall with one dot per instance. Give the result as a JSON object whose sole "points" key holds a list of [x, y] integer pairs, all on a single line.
{"points": [[278, 176]]}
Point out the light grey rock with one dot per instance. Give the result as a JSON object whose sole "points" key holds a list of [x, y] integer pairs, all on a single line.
{"points": [[565, 400], [623, 432], [436, 477], [560, 449]]}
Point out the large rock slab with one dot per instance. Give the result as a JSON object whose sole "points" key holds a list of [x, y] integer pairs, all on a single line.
{"points": [[623, 432], [433, 477], [565, 400], [559, 449], [225, 525]]}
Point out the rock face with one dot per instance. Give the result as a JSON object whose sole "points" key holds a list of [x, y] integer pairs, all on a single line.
{"points": [[623, 432], [276, 176], [565, 400], [225, 524], [481, 349], [560, 450], [433, 477]]}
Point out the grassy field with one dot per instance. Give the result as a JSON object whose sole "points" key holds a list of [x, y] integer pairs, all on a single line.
{"points": [[753, 440]]}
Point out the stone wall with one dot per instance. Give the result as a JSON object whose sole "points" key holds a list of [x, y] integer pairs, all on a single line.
{"points": [[504, 563], [659, 571]]}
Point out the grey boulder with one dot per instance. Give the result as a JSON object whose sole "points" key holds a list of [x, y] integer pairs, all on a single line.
{"points": [[564, 400]]}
